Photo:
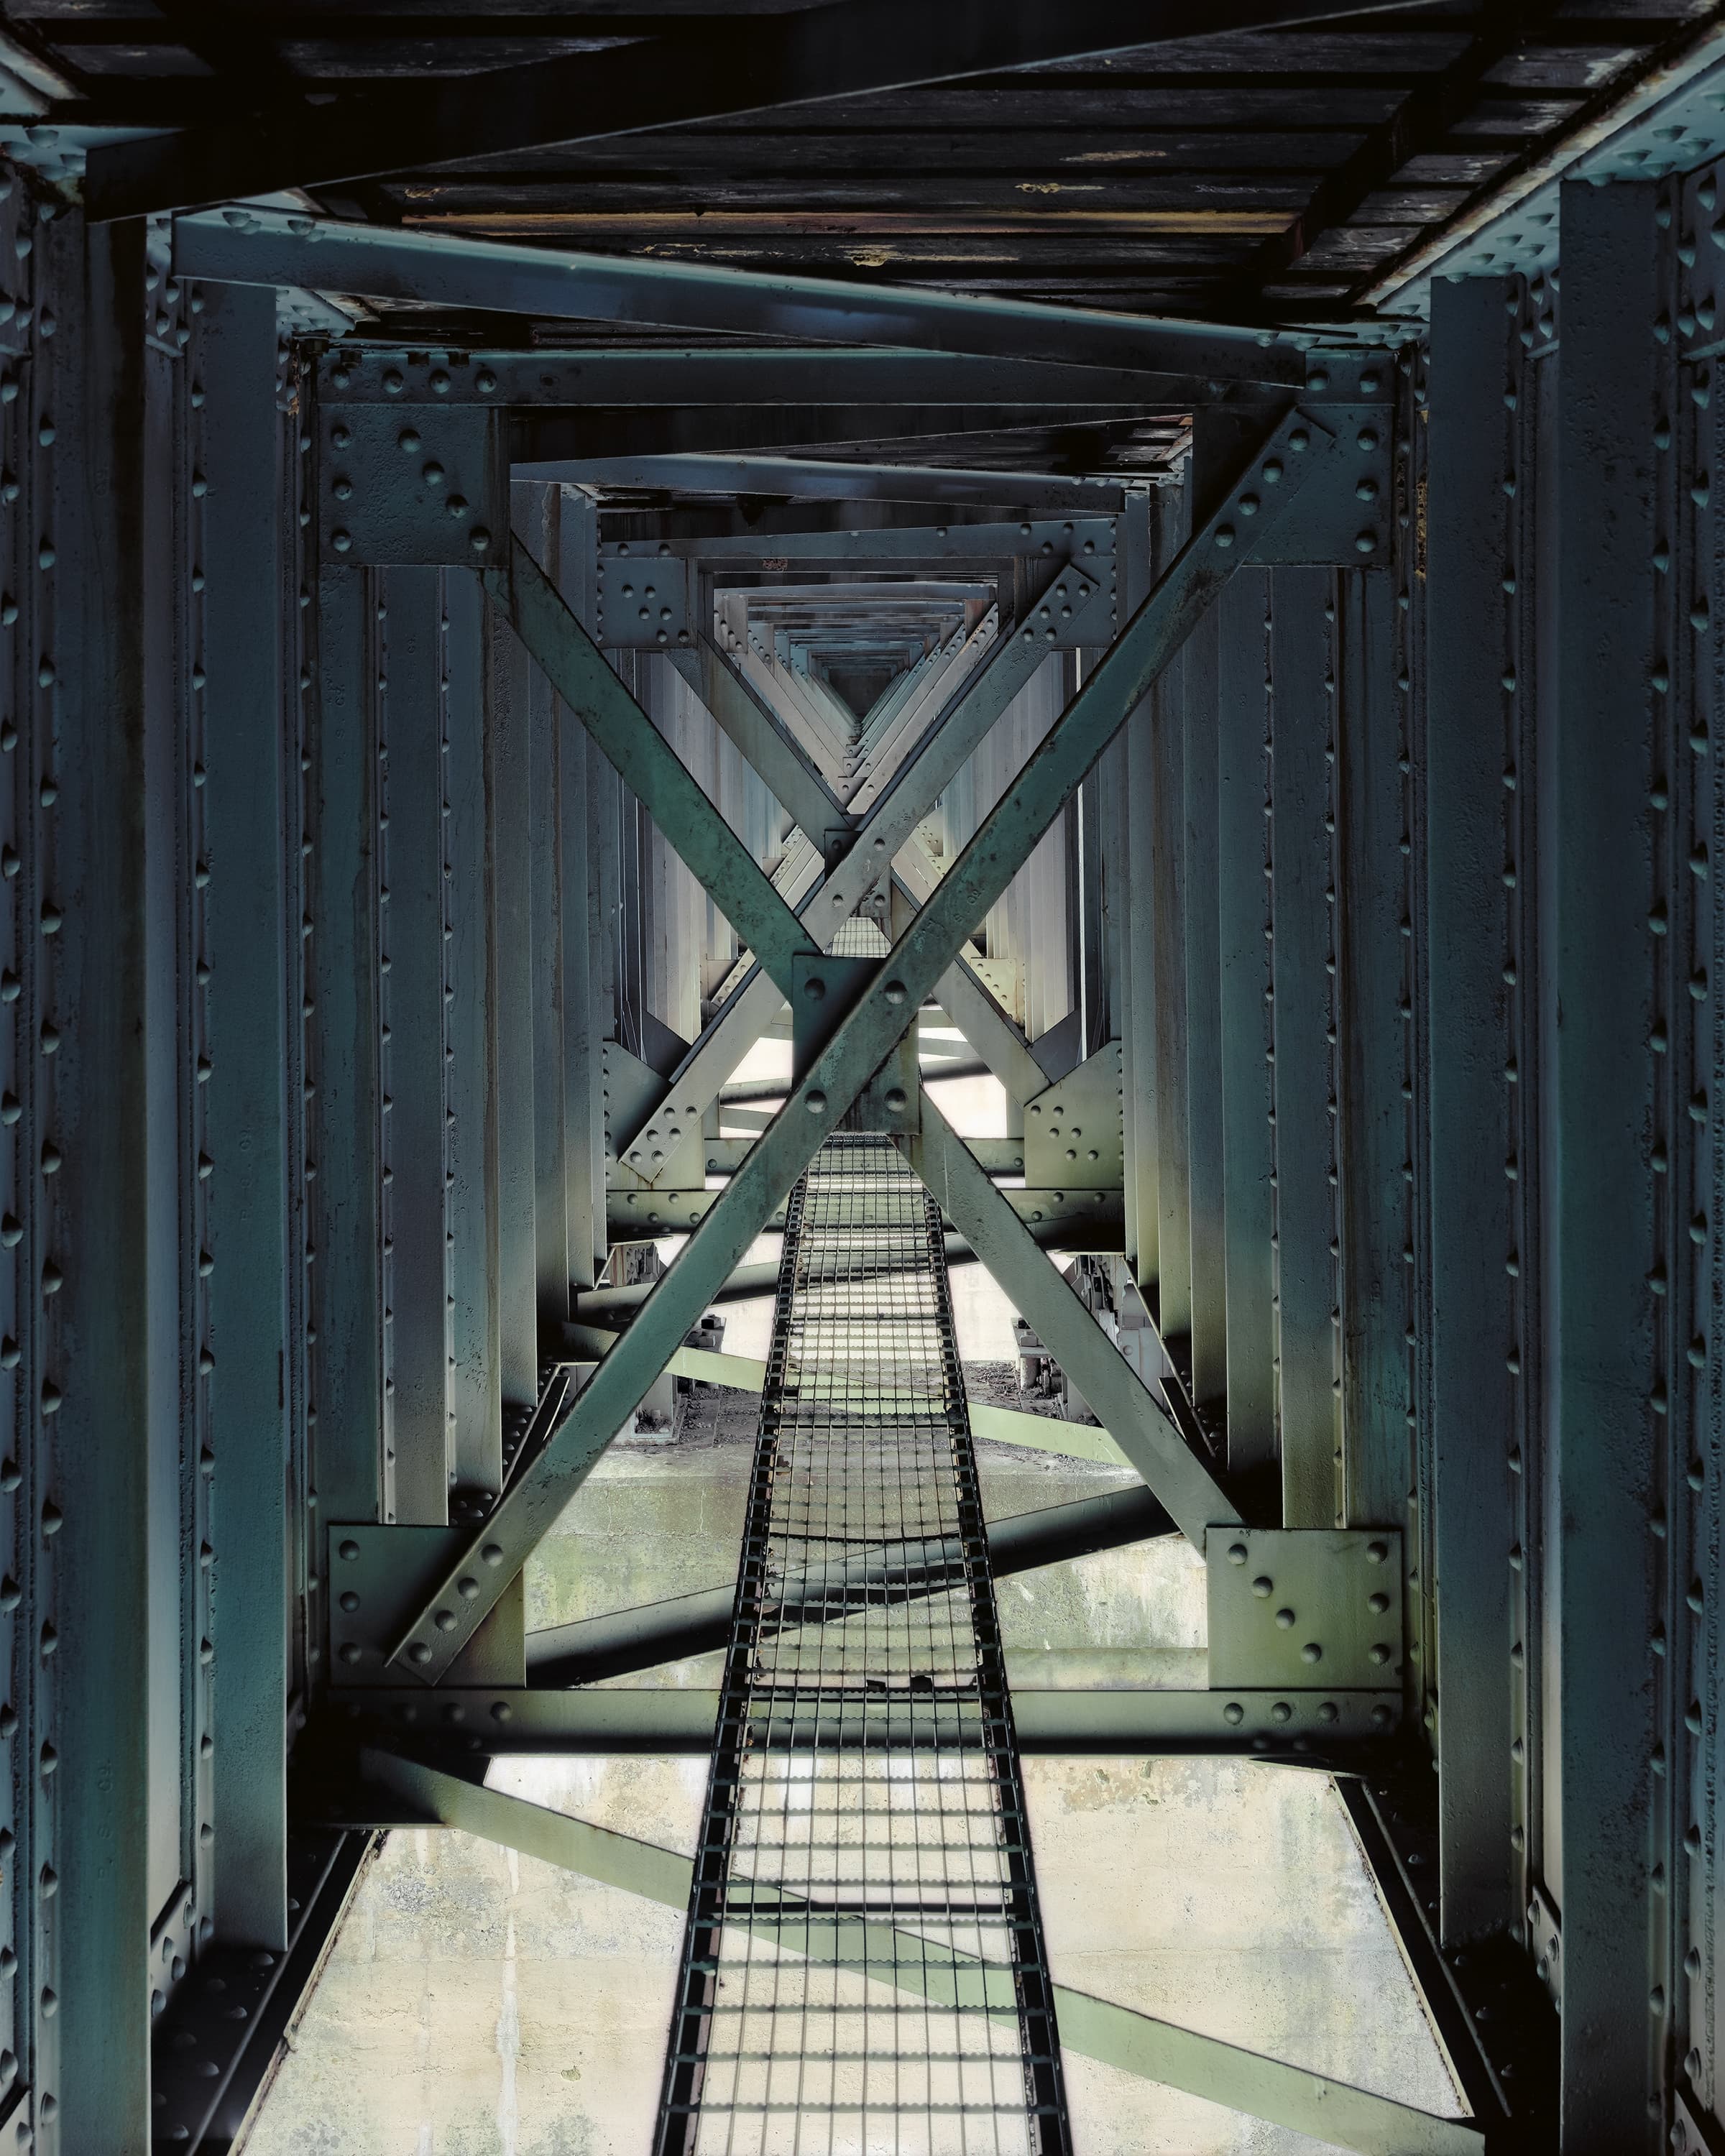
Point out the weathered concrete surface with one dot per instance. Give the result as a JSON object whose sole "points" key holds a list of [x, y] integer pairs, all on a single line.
{"points": [[1230, 1897], [479, 2004]]}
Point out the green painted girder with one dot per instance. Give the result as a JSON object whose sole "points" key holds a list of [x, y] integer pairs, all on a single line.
{"points": [[1249, 511]]}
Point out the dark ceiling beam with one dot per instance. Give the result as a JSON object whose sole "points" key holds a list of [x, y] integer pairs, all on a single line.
{"points": [[756, 63], [834, 479], [1018, 437], [578, 379], [1420, 125], [281, 248]]}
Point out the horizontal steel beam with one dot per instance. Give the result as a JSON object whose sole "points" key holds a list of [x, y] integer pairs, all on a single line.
{"points": [[679, 1721], [626, 1641], [765, 374], [834, 479], [1247, 513], [1309, 2103], [283, 248]]}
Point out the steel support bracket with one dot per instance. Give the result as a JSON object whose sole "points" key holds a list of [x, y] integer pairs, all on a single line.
{"points": [[1311, 1609], [422, 488], [1073, 1130], [643, 605], [379, 1576]]}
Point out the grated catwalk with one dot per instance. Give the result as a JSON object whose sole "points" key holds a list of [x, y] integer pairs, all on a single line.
{"points": [[863, 1965]]}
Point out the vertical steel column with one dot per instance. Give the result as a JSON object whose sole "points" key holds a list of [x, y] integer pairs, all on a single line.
{"points": [[583, 1030], [1242, 688], [345, 1294], [1614, 1137], [1693, 834], [1206, 1169], [79, 1447], [242, 1362], [508, 788], [1474, 1253], [1138, 972], [470, 1109], [547, 722], [1304, 1032], [418, 1383], [1375, 1081], [1168, 875]]}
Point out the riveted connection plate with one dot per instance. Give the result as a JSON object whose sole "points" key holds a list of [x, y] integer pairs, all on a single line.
{"points": [[642, 602], [824, 989], [1072, 1131], [1313, 1608], [420, 487], [380, 1578]]}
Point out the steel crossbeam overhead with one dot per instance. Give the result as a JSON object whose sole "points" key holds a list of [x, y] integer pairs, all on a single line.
{"points": [[254, 246], [832, 478], [649, 375], [747, 64], [1311, 2103], [1250, 509]]}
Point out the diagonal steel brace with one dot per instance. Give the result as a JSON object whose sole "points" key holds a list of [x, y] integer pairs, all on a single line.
{"points": [[646, 763]]}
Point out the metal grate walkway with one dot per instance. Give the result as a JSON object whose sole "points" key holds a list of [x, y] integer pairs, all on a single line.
{"points": [[863, 1967]]}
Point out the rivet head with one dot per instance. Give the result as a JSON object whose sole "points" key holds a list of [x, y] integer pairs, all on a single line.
{"points": [[814, 990], [492, 1554], [1285, 1620], [419, 1653], [896, 1100], [467, 1589], [1377, 1552], [349, 1601], [1311, 1652], [1282, 1712], [895, 991], [1236, 1553], [445, 1621], [350, 1550], [1224, 537], [1377, 1603], [1263, 1586], [348, 1653], [342, 542], [816, 1102], [1234, 1714]]}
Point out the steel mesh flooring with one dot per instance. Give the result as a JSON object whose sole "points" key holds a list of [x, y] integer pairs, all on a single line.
{"points": [[863, 1966]]}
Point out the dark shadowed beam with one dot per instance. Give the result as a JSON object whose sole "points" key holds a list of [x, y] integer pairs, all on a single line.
{"points": [[704, 70], [1420, 125], [279, 247], [831, 479]]}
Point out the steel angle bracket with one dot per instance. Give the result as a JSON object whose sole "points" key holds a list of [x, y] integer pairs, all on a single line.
{"points": [[1272, 475], [1309, 1609], [1346, 513], [423, 488], [1073, 1133], [377, 1576], [643, 605]]}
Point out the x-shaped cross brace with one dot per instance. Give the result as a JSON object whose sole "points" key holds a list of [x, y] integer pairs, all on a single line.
{"points": [[886, 1006]]}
